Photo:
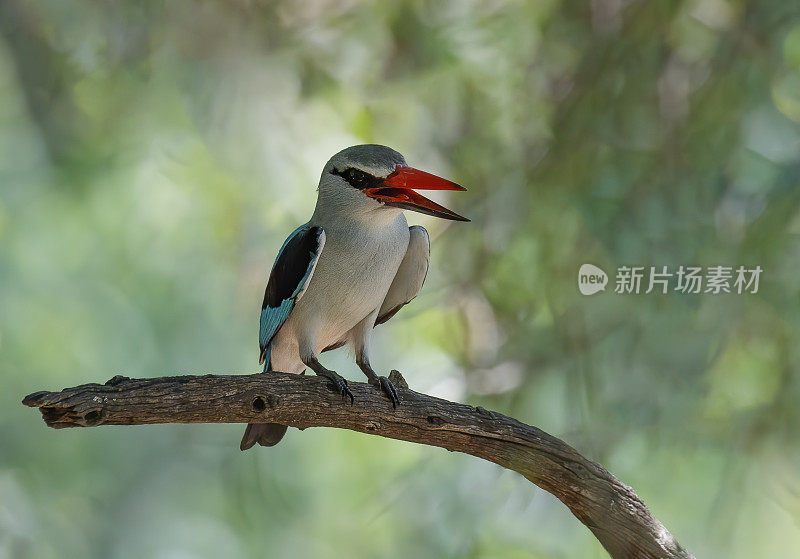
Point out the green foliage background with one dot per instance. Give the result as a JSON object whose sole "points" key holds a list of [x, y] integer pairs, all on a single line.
{"points": [[153, 156]]}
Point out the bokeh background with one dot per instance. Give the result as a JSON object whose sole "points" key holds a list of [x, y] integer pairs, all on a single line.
{"points": [[154, 155]]}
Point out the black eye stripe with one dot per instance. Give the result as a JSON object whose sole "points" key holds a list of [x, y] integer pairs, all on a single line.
{"points": [[357, 178]]}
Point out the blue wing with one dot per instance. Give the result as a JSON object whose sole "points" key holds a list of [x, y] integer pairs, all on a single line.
{"points": [[287, 282]]}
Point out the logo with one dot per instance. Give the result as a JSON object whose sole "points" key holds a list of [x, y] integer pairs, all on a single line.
{"points": [[591, 279]]}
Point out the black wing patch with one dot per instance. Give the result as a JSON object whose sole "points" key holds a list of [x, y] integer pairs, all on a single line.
{"points": [[291, 267]]}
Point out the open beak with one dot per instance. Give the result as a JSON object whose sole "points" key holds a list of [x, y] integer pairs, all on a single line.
{"points": [[398, 189]]}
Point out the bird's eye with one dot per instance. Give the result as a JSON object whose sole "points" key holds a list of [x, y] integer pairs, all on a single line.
{"points": [[357, 178]]}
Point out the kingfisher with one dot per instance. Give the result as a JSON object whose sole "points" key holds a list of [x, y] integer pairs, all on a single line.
{"points": [[351, 267]]}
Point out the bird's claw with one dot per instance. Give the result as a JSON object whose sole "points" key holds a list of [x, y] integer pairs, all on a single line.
{"points": [[388, 388], [340, 385]]}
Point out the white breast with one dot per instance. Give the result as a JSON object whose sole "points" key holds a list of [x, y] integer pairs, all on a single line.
{"points": [[352, 277]]}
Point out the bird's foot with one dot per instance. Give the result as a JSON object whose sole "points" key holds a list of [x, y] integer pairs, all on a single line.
{"points": [[339, 384], [388, 388]]}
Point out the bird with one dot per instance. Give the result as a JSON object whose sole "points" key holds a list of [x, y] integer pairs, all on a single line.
{"points": [[351, 267]]}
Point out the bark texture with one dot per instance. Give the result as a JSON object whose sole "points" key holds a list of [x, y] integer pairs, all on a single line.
{"points": [[610, 509]]}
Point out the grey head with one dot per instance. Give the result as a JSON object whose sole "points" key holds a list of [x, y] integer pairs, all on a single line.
{"points": [[374, 182], [374, 159]]}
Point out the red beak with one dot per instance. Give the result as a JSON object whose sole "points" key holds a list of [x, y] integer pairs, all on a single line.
{"points": [[398, 189]]}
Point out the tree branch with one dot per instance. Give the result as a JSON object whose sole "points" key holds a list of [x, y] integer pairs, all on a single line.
{"points": [[609, 508]]}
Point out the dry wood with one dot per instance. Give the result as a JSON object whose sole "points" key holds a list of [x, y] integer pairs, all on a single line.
{"points": [[609, 508]]}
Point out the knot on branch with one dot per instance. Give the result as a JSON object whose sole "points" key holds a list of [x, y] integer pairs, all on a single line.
{"points": [[261, 403], [397, 379], [93, 417]]}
